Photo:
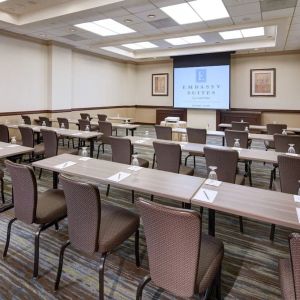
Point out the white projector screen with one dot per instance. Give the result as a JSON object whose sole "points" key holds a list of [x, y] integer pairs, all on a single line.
{"points": [[202, 87]]}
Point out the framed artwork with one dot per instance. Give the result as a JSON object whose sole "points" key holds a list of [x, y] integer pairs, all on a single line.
{"points": [[160, 84], [263, 82]]}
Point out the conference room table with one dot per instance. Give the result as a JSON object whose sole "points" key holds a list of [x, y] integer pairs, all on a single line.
{"points": [[256, 204], [9, 150], [119, 118], [244, 154], [177, 187], [89, 136], [258, 127], [221, 134]]}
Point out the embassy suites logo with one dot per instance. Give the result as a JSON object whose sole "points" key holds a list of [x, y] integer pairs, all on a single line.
{"points": [[201, 75]]}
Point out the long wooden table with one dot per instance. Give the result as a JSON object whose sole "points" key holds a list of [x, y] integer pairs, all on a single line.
{"points": [[244, 154], [154, 182], [257, 127], [90, 136], [221, 134]]}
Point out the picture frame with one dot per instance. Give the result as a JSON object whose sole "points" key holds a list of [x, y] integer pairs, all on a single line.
{"points": [[263, 82], [160, 84]]}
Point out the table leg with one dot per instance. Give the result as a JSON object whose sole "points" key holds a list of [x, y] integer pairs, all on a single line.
{"points": [[38, 137], [55, 180], [132, 131], [223, 141], [126, 131], [211, 222], [91, 147]]}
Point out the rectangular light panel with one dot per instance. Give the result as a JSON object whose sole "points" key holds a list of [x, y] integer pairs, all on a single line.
{"points": [[193, 39], [140, 45], [251, 32]]}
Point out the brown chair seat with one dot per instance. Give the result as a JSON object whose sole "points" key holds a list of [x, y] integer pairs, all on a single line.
{"points": [[240, 179], [1, 174], [117, 225], [186, 170], [286, 279], [67, 151], [51, 205], [196, 154], [143, 162], [39, 149], [211, 254]]}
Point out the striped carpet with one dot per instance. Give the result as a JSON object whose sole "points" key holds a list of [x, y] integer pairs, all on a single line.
{"points": [[249, 265]]}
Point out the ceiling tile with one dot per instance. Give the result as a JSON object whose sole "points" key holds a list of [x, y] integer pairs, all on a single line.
{"points": [[159, 14], [249, 18], [242, 10], [287, 12], [270, 5], [238, 2], [140, 8]]}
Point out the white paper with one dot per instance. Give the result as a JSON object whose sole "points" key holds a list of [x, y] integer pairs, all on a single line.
{"points": [[78, 133], [140, 141], [13, 145], [297, 198], [65, 165], [298, 213], [291, 154], [85, 158], [135, 168], [205, 195], [1, 148], [212, 182], [236, 148], [119, 176]]}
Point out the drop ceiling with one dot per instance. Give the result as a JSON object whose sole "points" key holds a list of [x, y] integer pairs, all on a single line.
{"points": [[55, 20]]}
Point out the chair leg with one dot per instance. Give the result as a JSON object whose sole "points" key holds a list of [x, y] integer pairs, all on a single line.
{"points": [[60, 265], [219, 285], [271, 180], [139, 292], [272, 233], [137, 248], [56, 226], [153, 161], [2, 191], [102, 148], [194, 161], [40, 174], [101, 276], [37, 252], [132, 196], [8, 236], [201, 210], [107, 191], [241, 224], [185, 161], [152, 198]]}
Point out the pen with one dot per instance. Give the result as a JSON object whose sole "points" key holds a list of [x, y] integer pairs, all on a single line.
{"points": [[205, 194]]}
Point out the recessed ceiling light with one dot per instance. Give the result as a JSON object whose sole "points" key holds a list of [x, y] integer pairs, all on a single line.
{"points": [[140, 45], [127, 20], [182, 13], [2, 1], [151, 16], [230, 35], [210, 9], [117, 51], [106, 27], [193, 39], [251, 32]]}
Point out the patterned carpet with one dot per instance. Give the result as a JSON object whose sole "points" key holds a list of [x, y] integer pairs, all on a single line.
{"points": [[249, 265]]}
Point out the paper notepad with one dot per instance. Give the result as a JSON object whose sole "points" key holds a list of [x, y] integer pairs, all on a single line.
{"points": [[297, 198], [212, 182], [65, 165], [140, 141], [298, 213], [205, 195], [291, 154], [85, 158], [13, 145], [135, 168], [119, 176], [78, 133]]}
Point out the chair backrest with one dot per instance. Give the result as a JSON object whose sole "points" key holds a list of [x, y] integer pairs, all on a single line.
{"points": [[225, 160], [83, 123], [102, 117], [121, 150], [231, 135], [289, 169], [25, 191], [84, 214], [46, 120], [275, 128], [4, 134], [163, 132], [196, 135], [27, 135], [105, 128], [173, 252], [294, 242], [282, 141], [239, 125], [50, 142], [64, 121], [84, 116], [168, 156], [26, 119]]}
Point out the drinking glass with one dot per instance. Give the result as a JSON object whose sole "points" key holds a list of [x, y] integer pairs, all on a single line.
{"points": [[212, 174], [284, 131], [13, 140], [291, 149], [146, 133], [22, 122], [87, 128], [62, 126], [135, 161], [43, 123], [246, 129], [242, 121], [236, 143], [84, 152]]}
